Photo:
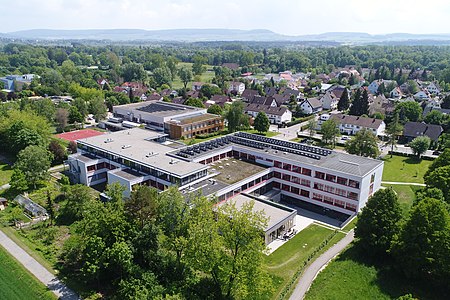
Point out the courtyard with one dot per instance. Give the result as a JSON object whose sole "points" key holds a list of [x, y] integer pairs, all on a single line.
{"points": [[232, 170]]}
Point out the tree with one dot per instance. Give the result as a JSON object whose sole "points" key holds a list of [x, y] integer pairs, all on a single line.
{"points": [[420, 145], [197, 67], [115, 192], [72, 147], [18, 181], [236, 116], [58, 152], [77, 197], [133, 72], [446, 102], [142, 205], [228, 246], [49, 207], [344, 101], [442, 161], [409, 111], [379, 222], [311, 127], [34, 162], [261, 122], [61, 117], [423, 243], [195, 102], [364, 143], [75, 116], [215, 109], [98, 108], [439, 178], [162, 76], [434, 117], [360, 105], [208, 90], [330, 131], [393, 130], [185, 75]]}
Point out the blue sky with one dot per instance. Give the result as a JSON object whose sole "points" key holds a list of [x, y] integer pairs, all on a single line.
{"points": [[291, 17]]}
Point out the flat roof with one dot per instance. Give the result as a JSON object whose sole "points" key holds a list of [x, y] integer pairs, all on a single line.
{"points": [[193, 118], [278, 149], [159, 108], [138, 144], [274, 213], [127, 174]]}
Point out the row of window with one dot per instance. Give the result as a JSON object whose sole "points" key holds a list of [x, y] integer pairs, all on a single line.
{"points": [[292, 168], [337, 179], [293, 179], [336, 191], [334, 202]]}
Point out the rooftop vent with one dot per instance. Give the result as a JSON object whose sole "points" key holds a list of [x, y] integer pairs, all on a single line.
{"points": [[126, 146], [109, 140]]}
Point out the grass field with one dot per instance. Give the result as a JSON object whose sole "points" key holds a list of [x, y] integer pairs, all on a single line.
{"points": [[404, 169], [352, 276], [206, 76], [284, 262], [5, 173], [406, 195], [17, 283]]}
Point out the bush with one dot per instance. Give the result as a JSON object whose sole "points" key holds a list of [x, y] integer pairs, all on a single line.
{"points": [[299, 120]]}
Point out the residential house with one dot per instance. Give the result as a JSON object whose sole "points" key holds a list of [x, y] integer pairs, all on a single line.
{"points": [[380, 104], [236, 87], [154, 97], [434, 88], [311, 106], [352, 124], [248, 95], [231, 66], [220, 100], [193, 94], [412, 130], [197, 86], [276, 115], [329, 101], [422, 95], [374, 85], [396, 93]]}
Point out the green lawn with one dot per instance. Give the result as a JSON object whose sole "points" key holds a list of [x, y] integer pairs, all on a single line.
{"points": [[5, 173], [352, 276], [404, 169], [406, 195], [285, 261], [17, 283]]}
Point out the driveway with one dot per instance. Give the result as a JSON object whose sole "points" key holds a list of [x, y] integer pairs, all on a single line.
{"points": [[54, 284]]}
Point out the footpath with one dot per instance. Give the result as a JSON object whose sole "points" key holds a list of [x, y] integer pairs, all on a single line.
{"points": [[312, 270], [41, 273]]}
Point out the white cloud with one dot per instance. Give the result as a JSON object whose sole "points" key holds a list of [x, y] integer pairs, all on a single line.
{"points": [[292, 17]]}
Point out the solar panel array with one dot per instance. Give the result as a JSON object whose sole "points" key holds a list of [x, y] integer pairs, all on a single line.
{"points": [[286, 146], [254, 141], [158, 107], [203, 147]]}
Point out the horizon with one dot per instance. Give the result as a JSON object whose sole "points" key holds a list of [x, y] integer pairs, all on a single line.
{"points": [[290, 17]]}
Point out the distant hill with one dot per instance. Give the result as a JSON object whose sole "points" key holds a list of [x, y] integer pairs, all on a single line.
{"points": [[196, 35]]}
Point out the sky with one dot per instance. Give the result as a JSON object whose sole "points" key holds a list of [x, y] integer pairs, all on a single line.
{"points": [[289, 17]]}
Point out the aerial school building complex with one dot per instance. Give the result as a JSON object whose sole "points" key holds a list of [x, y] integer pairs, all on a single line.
{"points": [[242, 164]]}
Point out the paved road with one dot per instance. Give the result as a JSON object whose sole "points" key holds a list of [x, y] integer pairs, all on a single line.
{"points": [[311, 272], [403, 183], [41, 273]]}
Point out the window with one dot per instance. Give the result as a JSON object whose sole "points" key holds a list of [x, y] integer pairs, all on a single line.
{"points": [[353, 184], [305, 182], [277, 164], [286, 177], [320, 175], [277, 174], [296, 169], [295, 179], [353, 196], [287, 167], [304, 193], [351, 207], [342, 180], [276, 185], [306, 172], [331, 178], [285, 187], [295, 190], [317, 197], [318, 186], [328, 199], [329, 189], [339, 203], [341, 192], [372, 178]]}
